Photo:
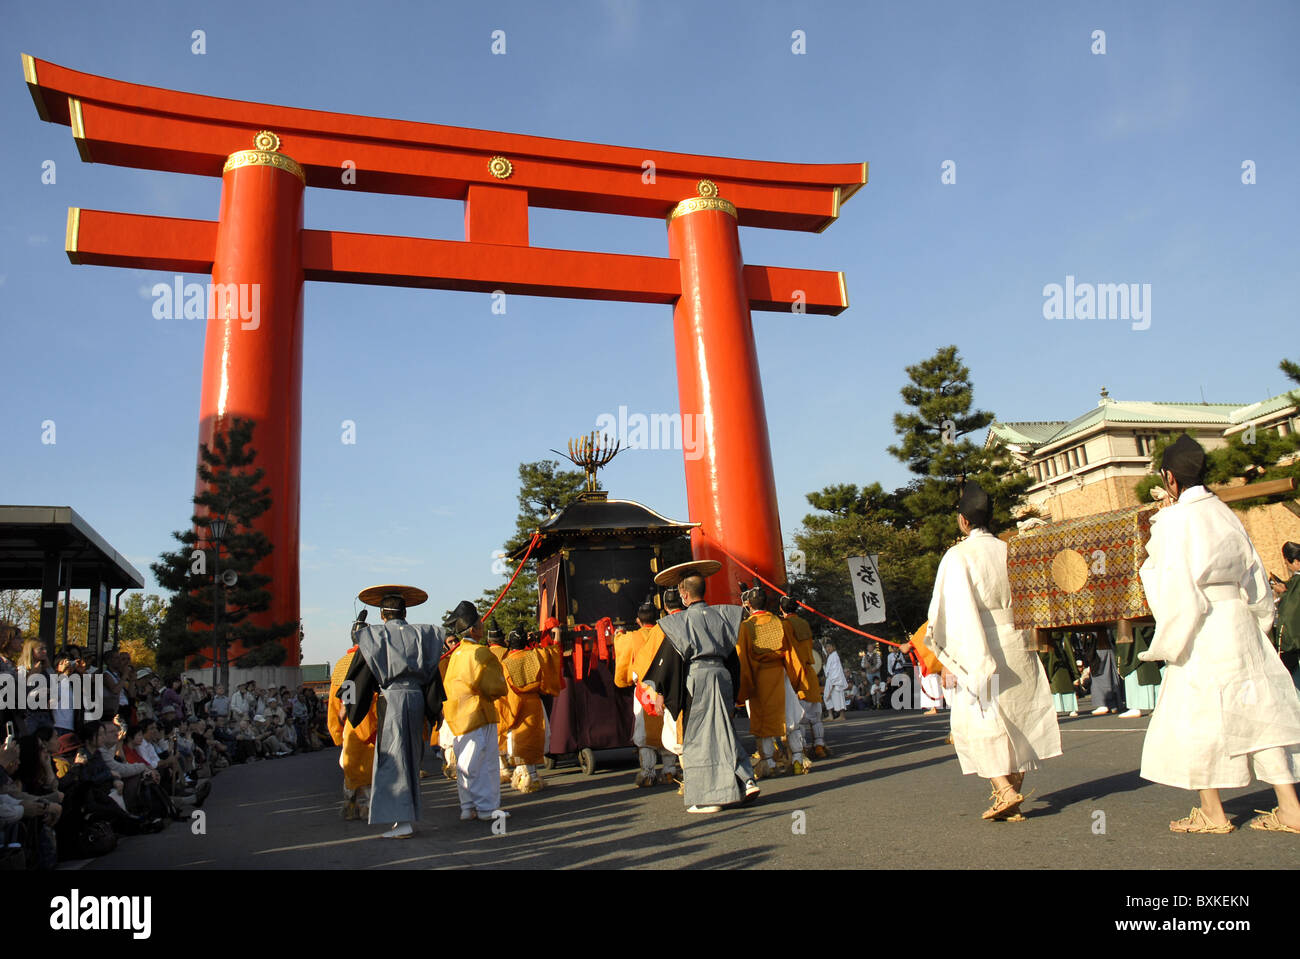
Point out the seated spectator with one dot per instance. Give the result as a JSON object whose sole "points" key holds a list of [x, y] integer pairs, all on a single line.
{"points": [[185, 749], [207, 750], [239, 705], [266, 732], [248, 744], [172, 700], [101, 740], [223, 740], [138, 747], [92, 794], [288, 735], [878, 691], [40, 810], [219, 707]]}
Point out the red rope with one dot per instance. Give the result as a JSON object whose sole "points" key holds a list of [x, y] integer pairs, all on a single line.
{"points": [[536, 538], [757, 575]]}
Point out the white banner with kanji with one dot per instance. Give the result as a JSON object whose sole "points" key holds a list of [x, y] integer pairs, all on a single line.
{"points": [[868, 594]]}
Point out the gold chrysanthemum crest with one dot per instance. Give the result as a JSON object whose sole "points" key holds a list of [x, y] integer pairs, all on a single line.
{"points": [[500, 167], [266, 140], [707, 199], [265, 152]]}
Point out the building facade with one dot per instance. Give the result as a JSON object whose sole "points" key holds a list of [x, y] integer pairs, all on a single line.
{"points": [[1094, 462]]}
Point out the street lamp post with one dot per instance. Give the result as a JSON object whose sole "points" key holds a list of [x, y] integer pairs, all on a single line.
{"points": [[220, 670]]}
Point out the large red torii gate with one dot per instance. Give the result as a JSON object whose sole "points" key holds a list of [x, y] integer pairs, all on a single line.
{"points": [[253, 367]]}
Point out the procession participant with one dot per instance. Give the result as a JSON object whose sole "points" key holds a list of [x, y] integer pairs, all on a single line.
{"points": [[812, 727], [442, 736], [696, 673], [671, 733], [1057, 657], [358, 754], [647, 725], [926, 666], [836, 683], [769, 666], [401, 659], [1286, 631], [529, 673], [1141, 679], [496, 641], [1105, 676], [1227, 707], [1003, 723], [475, 681]]}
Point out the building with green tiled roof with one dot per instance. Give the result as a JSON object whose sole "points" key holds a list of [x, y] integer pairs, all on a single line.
{"points": [[1093, 462]]}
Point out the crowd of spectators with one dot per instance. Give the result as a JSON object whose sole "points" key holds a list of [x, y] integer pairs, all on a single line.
{"points": [[73, 782]]}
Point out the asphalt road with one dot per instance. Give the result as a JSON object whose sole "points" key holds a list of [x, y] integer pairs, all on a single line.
{"points": [[892, 796]]}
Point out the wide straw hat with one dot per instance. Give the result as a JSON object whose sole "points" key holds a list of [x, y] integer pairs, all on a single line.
{"points": [[675, 574], [374, 595]]}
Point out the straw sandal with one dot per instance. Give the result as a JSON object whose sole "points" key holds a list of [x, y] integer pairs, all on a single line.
{"points": [[1198, 822], [1269, 822], [1006, 804]]}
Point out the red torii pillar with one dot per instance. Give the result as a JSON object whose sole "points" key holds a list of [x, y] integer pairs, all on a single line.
{"points": [[253, 364], [730, 488], [252, 355]]}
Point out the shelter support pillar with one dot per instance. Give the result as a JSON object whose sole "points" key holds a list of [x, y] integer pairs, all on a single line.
{"points": [[730, 489], [252, 361], [51, 571]]}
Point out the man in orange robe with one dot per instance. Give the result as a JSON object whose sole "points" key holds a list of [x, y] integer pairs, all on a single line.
{"points": [[634, 653], [530, 673], [474, 682], [765, 646], [811, 694], [358, 742]]}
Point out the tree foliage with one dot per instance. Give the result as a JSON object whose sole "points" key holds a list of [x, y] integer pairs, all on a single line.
{"points": [[1254, 454], [22, 607], [857, 522], [231, 489], [935, 444], [544, 488], [911, 527]]}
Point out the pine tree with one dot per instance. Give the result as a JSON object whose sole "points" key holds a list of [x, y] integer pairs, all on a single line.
{"points": [[853, 522], [543, 489], [935, 445], [231, 490], [1250, 453]]}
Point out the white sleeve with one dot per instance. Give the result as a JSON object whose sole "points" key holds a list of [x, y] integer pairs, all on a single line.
{"points": [[958, 630], [1177, 603]]}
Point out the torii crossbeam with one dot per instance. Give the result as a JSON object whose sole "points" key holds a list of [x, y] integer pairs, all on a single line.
{"points": [[254, 369]]}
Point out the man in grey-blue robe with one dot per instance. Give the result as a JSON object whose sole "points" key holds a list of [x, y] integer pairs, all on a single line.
{"points": [[696, 673], [401, 659]]}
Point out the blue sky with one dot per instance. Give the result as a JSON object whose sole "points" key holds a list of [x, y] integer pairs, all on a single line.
{"points": [[1117, 168]]}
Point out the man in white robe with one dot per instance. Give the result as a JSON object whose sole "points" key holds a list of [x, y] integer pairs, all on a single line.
{"points": [[1003, 721], [836, 683], [1227, 707]]}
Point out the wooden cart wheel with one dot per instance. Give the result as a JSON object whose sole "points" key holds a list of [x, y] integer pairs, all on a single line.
{"points": [[587, 760]]}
